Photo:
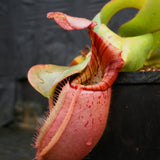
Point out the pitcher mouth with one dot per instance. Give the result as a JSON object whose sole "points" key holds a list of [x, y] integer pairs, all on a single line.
{"points": [[95, 83], [103, 67], [102, 86]]}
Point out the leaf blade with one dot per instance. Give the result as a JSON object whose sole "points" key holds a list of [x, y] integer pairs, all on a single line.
{"points": [[44, 78]]}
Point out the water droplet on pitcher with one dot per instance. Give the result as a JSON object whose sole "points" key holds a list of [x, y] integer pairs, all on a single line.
{"points": [[89, 142]]}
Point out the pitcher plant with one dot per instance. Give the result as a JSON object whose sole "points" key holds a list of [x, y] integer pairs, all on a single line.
{"points": [[79, 95]]}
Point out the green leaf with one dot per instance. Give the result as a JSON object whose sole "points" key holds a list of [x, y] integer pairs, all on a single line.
{"points": [[153, 58], [97, 19], [146, 21], [114, 6], [110, 36], [134, 49], [44, 78]]}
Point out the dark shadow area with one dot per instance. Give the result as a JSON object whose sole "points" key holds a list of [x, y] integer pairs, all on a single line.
{"points": [[16, 144]]}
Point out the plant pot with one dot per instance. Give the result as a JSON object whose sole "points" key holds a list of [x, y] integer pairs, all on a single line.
{"points": [[133, 127]]}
